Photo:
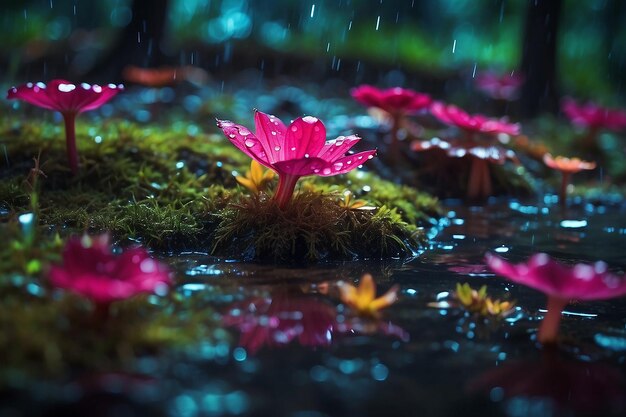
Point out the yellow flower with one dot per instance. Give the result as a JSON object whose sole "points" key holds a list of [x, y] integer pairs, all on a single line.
{"points": [[363, 298], [479, 302], [256, 178], [348, 202]]}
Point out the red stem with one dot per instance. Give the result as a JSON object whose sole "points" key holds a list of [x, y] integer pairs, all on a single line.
{"points": [[70, 141], [395, 128], [549, 328], [564, 184], [479, 183], [286, 185]]}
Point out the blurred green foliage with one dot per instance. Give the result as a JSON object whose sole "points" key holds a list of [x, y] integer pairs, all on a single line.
{"points": [[427, 35]]}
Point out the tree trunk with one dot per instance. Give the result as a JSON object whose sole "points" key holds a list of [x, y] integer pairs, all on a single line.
{"points": [[539, 92], [139, 44]]}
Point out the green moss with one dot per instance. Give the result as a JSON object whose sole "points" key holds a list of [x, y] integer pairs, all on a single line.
{"points": [[170, 187]]}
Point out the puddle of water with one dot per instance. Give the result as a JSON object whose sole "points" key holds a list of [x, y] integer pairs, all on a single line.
{"points": [[290, 348]]}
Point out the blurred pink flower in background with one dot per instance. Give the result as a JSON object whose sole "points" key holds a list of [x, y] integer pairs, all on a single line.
{"points": [[499, 86], [477, 123], [68, 99], [593, 116], [395, 101], [93, 271]]}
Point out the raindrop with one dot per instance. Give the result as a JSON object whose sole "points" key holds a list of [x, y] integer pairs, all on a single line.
{"points": [[249, 143]]}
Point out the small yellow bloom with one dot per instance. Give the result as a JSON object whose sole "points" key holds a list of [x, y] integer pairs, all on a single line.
{"points": [[363, 298], [348, 202], [479, 302], [256, 178]]}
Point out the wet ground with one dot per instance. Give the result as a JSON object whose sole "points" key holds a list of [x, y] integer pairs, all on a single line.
{"points": [[288, 347]]}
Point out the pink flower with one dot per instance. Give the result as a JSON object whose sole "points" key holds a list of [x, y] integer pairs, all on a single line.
{"points": [[90, 269], [567, 167], [560, 283], [395, 100], [499, 87], [295, 151], [69, 99], [454, 116], [593, 116]]}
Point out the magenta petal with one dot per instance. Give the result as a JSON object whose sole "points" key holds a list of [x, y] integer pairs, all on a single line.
{"points": [[305, 136], [338, 147], [300, 167], [271, 134], [64, 96], [346, 164], [245, 140]]}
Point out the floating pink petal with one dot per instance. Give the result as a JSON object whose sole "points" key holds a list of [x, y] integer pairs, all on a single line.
{"points": [[454, 116], [92, 270], [294, 151]]}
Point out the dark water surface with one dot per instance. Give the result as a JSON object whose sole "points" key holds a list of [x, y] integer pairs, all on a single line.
{"points": [[289, 348]]}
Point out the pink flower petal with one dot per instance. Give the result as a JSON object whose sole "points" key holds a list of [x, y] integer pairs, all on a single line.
{"points": [[581, 282]]}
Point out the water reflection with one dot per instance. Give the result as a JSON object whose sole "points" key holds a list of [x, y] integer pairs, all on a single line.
{"points": [[303, 315], [553, 385]]}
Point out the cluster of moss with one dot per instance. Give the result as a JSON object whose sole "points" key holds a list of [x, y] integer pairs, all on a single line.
{"points": [[172, 187]]}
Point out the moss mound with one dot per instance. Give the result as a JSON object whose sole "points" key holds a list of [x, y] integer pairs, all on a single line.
{"points": [[172, 188], [314, 226]]}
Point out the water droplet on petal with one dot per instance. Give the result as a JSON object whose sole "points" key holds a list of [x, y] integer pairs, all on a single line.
{"points": [[294, 128], [306, 155], [250, 143], [326, 171], [277, 148], [66, 88], [274, 132], [293, 148], [232, 136], [309, 119], [370, 156], [338, 166]]}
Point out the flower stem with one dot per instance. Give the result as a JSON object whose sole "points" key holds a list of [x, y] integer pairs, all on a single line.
{"points": [[395, 142], [286, 185], [549, 328], [479, 185], [563, 193], [70, 141]]}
